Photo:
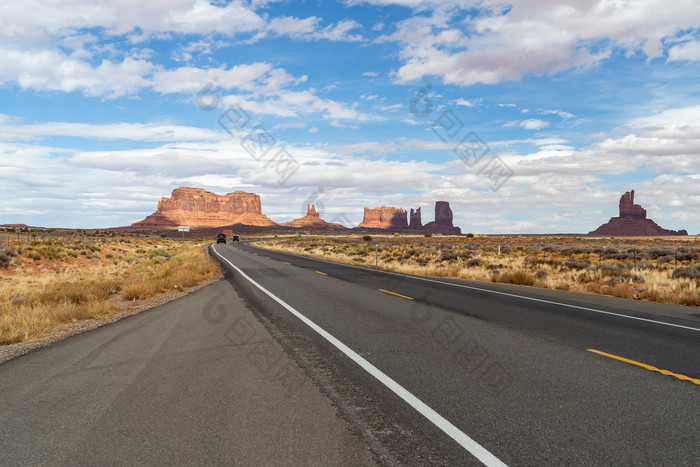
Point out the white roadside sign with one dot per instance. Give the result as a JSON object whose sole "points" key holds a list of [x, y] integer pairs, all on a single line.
{"points": [[183, 228]]}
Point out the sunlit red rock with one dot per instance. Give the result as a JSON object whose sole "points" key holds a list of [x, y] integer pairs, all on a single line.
{"points": [[197, 207], [313, 220], [385, 217]]}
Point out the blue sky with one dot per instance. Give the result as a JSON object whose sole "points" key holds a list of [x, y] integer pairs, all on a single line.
{"points": [[527, 116]]}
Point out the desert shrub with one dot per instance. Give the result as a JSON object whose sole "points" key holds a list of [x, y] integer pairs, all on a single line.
{"points": [[609, 253], [472, 263], [576, 250], [4, 259], [691, 272], [428, 235], [396, 234], [541, 275], [470, 235], [367, 238], [666, 259], [36, 256], [687, 256], [159, 252], [655, 253], [577, 263], [517, 277]]}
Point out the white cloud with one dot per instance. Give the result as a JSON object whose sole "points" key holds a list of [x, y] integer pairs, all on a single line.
{"points": [[507, 40], [559, 187], [689, 51], [282, 126], [48, 70], [529, 124], [469, 103]]}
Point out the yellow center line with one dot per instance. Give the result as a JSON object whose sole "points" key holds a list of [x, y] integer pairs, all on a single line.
{"points": [[268, 257], [397, 294], [648, 367], [319, 272], [287, 263]]}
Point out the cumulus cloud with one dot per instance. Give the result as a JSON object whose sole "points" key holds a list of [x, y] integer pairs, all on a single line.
{"points": [[689, 51], [508, 40]]}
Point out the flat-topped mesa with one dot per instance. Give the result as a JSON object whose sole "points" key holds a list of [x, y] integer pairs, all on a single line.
{"points": [[385, 217], [414, 220], [198, 207], [629, 209], [312, 220], [633, 222], [443, 220]]}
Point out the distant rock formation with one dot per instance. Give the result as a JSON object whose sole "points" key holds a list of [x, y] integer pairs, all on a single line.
{"points": [[633, 222], [385, 217], [313, 220], [414, 221], [197, 207], [629, 209], [389, 218], [443, 220]]}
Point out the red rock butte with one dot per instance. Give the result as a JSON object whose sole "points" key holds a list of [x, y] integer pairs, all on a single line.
{"points": [[197, 207], [390, 218], [385, 217], [633, 222], [312, 219]]}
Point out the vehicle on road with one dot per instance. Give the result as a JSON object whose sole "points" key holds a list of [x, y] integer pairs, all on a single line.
{"points": [[221, 238], [236, 238]]}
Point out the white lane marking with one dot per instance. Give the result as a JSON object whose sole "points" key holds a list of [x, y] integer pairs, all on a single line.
{"points": [[438, 420], [494, 292]]}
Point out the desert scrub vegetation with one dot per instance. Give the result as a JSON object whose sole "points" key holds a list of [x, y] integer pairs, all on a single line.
{"points": [[50, 283], [657, 269]]}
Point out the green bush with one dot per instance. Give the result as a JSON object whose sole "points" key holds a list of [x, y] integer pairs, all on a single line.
{"points": [[367, 238]]}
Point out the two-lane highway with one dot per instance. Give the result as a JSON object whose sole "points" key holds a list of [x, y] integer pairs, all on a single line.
{"points": [[501, 373]]}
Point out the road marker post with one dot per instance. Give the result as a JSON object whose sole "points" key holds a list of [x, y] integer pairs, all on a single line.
{"points": [[183, 229], [376, 256]]}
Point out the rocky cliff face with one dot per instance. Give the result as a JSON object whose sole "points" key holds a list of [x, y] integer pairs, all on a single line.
{"points": [[629, 209], [415, 222], [633, 222], [197, 207], [313, 220], [389, 218], [385, 217], [443, 220]]}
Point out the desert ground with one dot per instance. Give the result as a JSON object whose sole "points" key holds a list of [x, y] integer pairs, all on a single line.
{"points": [[664, 269], [53, 279]]}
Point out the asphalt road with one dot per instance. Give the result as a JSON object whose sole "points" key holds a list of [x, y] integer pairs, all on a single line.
{"points": [[511, 368], [198, 381]]}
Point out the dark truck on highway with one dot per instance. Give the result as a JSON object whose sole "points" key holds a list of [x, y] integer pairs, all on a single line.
{"points": [[221, 238]]}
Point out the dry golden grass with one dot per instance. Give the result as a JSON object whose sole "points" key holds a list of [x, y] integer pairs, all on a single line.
{"points": [[637, 268], [51, 284]]}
